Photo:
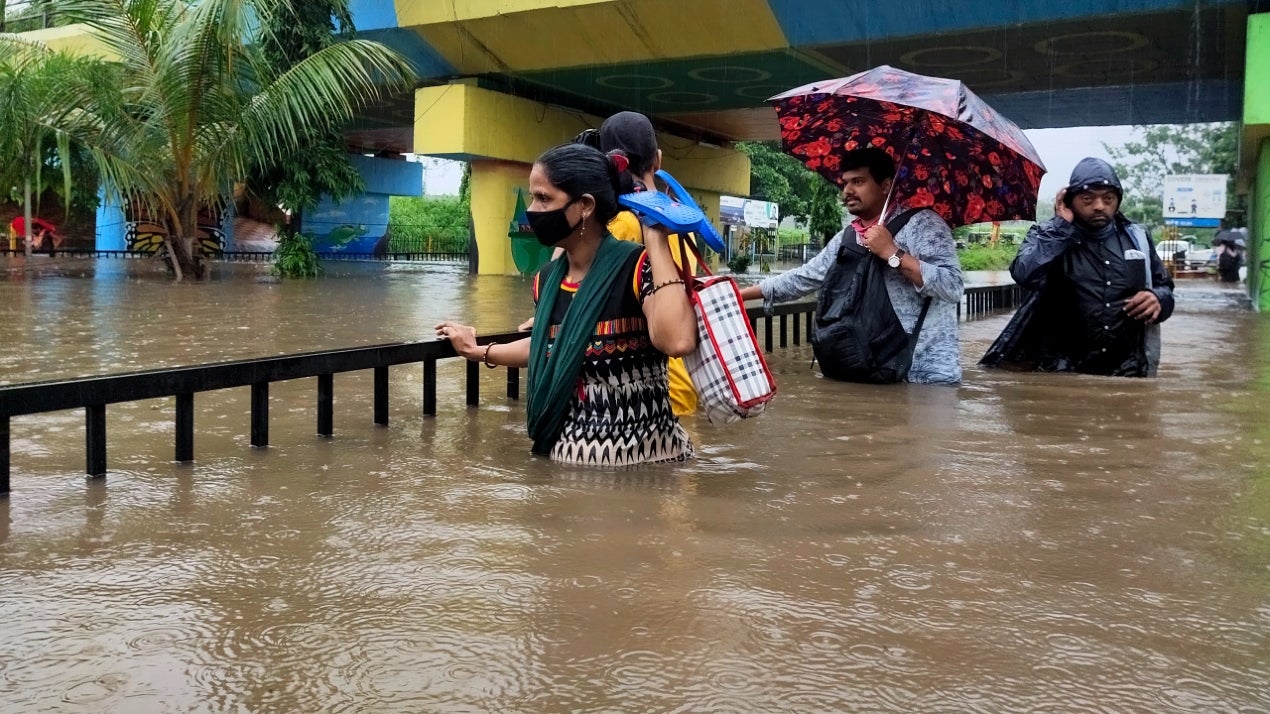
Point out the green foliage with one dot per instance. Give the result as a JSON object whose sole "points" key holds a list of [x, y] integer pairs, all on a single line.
{"points": [[427, 225], [739, 262], [1010, 233], [42, 117], [779, 178], [760, 240], [465, 185], [790, 236], [205, 105], [826, 210], [321, 166], [1146, 210], [987, 257], [295, 257], [1176, 149]]}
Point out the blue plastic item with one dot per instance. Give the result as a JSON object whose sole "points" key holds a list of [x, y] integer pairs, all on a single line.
{"points": [[679, 214]]}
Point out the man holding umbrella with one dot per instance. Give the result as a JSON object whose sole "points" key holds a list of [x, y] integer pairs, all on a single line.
{"points": [[920, 259], [1099, 291], [936, 156]]}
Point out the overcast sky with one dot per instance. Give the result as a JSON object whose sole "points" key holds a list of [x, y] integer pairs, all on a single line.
{"points": [[1060, 149]]}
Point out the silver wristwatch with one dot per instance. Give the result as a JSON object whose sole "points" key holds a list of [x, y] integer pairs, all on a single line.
{"points": [[894, 260]]}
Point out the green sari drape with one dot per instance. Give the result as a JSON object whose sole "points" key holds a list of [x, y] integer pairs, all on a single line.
{"points": [[553, 374]]}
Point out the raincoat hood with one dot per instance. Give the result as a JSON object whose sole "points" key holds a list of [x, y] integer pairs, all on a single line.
{"points": [[1091, 174]]}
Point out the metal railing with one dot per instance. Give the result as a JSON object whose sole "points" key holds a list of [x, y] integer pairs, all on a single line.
{"points": [[983, 300], [92, 394], [788, 322]]}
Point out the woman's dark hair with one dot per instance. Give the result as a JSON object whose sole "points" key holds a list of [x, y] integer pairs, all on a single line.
{"points": [[588, 137], [578, 169], [632, 133]]}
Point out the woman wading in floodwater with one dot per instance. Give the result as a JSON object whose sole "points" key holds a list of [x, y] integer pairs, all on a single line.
{"points": [[609, 313]]}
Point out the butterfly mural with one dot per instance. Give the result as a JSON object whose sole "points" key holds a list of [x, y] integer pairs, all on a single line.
{"points": [[147, 237]]}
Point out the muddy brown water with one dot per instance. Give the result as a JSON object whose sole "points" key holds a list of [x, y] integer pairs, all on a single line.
{"points": [[1022, 543]]}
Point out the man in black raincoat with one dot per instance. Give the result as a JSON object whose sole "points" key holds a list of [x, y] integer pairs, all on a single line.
{"points": [[1098, 289]]}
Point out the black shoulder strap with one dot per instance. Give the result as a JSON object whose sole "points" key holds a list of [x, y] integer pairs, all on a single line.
{"points": [[896, 224], [917, 329]]}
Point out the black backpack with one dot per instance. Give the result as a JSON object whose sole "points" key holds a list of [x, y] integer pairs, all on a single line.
{"points": [[857, 336]]}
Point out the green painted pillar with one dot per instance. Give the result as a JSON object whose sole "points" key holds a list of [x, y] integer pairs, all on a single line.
{"points": [[1259, 227], [1256, 156]]}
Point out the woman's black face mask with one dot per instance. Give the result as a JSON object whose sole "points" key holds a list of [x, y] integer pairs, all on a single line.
{"points": [[551, 227]]}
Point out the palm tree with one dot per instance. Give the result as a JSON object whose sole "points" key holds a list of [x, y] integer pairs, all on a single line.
{"points": [[41, 98], [200, 104]]}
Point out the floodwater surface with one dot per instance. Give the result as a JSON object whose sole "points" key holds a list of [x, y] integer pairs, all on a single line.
{"points": [[1022, 543]]}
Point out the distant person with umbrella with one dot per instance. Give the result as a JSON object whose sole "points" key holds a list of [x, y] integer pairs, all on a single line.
{"points": [[914, 156], [1099, 290], [1230, 255]]}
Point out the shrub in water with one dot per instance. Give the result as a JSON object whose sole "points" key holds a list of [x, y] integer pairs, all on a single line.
{"points": [[295, 257]]}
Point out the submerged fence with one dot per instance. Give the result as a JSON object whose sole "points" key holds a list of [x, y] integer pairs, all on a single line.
{"points": [[790, 322]]}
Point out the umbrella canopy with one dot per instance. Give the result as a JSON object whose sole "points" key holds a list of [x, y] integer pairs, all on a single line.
{"points": [[953, 152], [1229, 237]]}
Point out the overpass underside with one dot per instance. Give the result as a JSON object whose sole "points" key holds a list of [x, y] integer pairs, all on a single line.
{"points": [[504, 79], [501, 80]]}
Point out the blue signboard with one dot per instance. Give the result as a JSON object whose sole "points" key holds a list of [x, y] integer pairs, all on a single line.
{"points": [[1193, 222]]}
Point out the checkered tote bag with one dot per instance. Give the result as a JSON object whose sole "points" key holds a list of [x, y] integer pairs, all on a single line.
{"points": [[727, 368]]}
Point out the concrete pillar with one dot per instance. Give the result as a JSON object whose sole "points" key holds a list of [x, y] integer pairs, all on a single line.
{"points": [[1259, 227], [501, 135], [494, 185]]}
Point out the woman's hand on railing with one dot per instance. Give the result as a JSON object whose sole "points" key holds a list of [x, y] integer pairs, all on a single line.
{"points": [[462, 337]]}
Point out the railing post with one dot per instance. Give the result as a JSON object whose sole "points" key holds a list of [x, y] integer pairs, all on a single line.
{"points": [[185, 427], [381, 396], [798, 328], [473, 383], [260, 414], [513, 383], [767, 333], [326, 405], [95, 438], [4, 456], [430, 386], [784, 327]]}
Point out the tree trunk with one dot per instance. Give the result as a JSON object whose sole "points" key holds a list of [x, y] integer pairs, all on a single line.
{"points": [[184, 250], [26, 213], [184, 258]]}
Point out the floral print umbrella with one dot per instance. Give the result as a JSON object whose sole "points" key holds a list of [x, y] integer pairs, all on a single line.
{"points": [[953, 152]]}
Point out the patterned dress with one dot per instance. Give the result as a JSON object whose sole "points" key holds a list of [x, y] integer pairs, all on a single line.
{"points": [[620, 413]]}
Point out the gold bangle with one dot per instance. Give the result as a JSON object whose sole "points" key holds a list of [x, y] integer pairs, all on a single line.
{"points": [[485, 357]]}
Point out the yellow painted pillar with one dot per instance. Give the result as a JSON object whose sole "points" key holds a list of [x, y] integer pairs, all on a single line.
{"points": [[494, 185], [501, 135]]}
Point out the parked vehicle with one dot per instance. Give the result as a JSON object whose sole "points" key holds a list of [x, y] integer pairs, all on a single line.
{"points": [[1185, 254]]}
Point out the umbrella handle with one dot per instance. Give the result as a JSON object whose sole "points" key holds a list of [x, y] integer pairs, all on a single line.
{"points": [[886, 203]]}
